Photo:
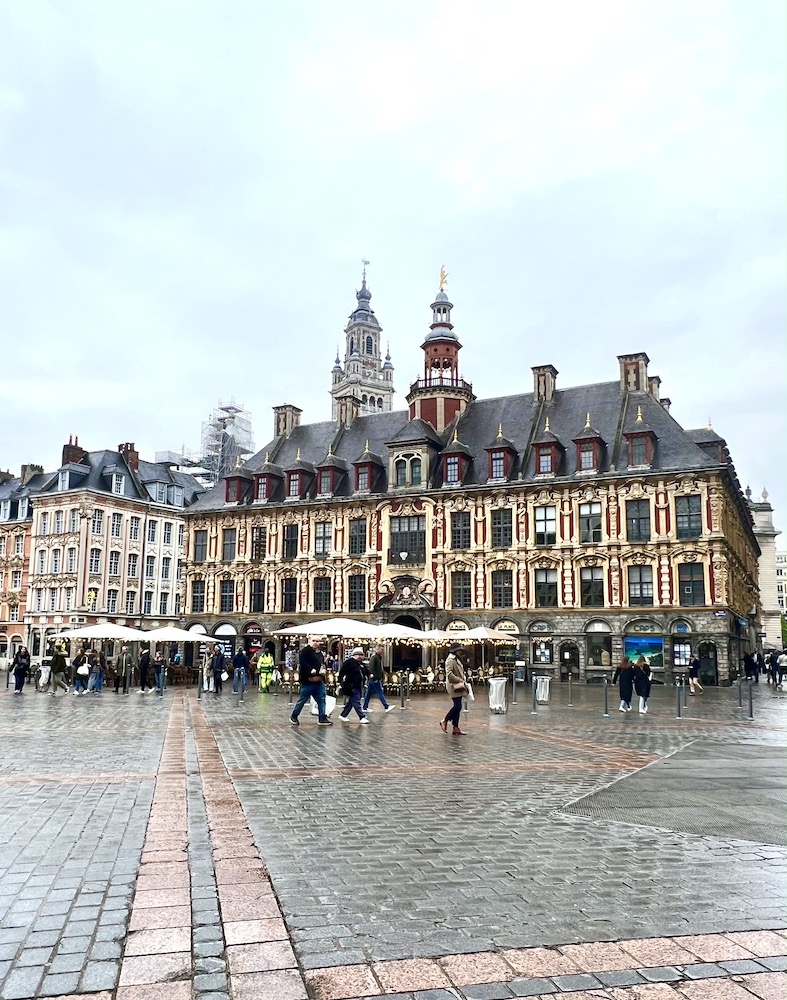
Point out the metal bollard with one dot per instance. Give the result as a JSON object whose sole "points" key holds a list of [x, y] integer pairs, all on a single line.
{"points": [[513, 684], [534, 710], [685, 685], [199, 685], [401, 690], [570, 701], [289, 686], [751, 702], [740, 692], [606, 698], [242, 686], [678, 686]]}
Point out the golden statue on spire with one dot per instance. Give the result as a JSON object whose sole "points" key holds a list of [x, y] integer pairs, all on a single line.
{"points": [[443, 278]]}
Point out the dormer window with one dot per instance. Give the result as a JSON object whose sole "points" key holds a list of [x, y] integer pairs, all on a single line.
{"points": [[232, 494], [62, 480], [415, 472], [401, 472], [293, 484], [546, 460], [587, 458], [261, 492], [452, 469], [326, 482], [117, 483], [362, 478], [641, 441], [639, 452], [497, 465]]}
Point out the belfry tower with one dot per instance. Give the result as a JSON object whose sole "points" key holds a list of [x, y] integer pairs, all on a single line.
{"points": [[364, 373], [442, 393]]}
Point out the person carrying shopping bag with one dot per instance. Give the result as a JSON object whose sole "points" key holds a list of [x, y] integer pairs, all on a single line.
{"points": [[456, 686]]}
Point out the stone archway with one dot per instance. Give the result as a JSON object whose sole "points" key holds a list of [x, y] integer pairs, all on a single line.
{"points": [[403, 655]]}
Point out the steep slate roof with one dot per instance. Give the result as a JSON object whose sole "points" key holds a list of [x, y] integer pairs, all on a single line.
{"points": [[611, 410]]}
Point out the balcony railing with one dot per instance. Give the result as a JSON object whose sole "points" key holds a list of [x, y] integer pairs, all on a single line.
{"points": [[442, 382], [406, 558]]}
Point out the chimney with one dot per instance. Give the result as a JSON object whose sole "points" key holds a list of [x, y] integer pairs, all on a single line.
{"points": [[129, 452], [634, 372], [653, 386], [543, 383], [348, 408], [28, 471], [666, 402], [285, 419], [72, 452], [5, 477]]}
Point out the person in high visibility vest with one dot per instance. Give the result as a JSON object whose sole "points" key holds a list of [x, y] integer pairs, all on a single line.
{"points": [[265, 666]]}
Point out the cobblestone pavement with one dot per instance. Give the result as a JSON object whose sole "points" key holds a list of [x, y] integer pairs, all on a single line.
{"points": [[180, 848]]}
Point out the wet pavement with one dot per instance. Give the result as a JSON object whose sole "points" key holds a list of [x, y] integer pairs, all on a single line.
{"points": [[187, 848]]}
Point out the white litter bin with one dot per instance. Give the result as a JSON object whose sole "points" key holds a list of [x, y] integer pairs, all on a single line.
{"points": [[542, 690], [497, 695]]}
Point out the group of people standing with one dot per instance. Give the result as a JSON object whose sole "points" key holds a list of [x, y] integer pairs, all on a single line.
{"points": [[89, 670], [773, 666]]}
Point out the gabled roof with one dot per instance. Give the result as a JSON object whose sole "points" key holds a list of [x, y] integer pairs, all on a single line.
{"points": [[416, 431]]}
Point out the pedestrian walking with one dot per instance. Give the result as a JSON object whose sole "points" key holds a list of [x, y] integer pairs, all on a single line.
{"points": [[59, 671], [624, 676], [94, 666], [81, 673], [781, 668], [773, 667], [144, 668], [374, 685], [694, 675], [217, 668], [20, 667], [642, 683], [351, 674], [240, 663], [456, 686], [159, 666], [759, 665], [312, 683], [44, 673], [124, 670]]}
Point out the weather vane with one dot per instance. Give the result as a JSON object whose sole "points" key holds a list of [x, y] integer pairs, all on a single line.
{"points": [[365, 265], [443, 277]]}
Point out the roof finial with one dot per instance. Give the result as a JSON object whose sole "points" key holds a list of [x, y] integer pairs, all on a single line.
{"points": [[365, 265], [330, 449], [366, 449], [443, 278], [639, 414], [298, 456], [587, 419], [764, 495], [500, 429], [546, 425], [710, 425], [267, 457], [456, 435]]}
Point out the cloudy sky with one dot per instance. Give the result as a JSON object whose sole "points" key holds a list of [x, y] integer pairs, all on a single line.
{"points": [[187, 190]]}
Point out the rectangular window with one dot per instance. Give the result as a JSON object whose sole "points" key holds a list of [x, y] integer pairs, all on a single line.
{"points": [[546, 533], [117, 484], [5, 510], [502, 529], [400, 470], [460, 530], [262, 487], [168, 532], [257, 592], [39, 599], [198, 597], [294, 484], [638, 451], [73, 521], [638, 520], [152, 531], [546, 588], [590, 522], [228, 539], [166, 568], [58, 522], [95, 561], [362, 478], [133, 530], [544, 461], [24, 504], [131, 602], [452, 469], [161, 492], [19, 545], [42, 561], [502, 588], [691, 577], [97, 524], [68, 599], [13, 613], [323, 533], [112, 602], [133, 561], [356, 586], [259, 543], [325, 481], [53, 598], [2, 545], [498, 464], [114, 564], [415, 472], [227, 597], [358, 536], [322, 594], [16, 579], [289, 596], [461, 590], [163, 604], [688, 517], [181, 531], [233, 490], [592, 586], [147, 602], [408, 538], [71, 561], [62, 480], [289, 541], [587, 458], [641, 586], [116, 526], [45, 523], [681, 654], [200, 545], [150, 567]]}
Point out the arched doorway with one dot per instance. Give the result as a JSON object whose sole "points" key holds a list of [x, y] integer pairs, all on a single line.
{"points": [[569, 661], [405, 656], [193, 651], [709, 669]]}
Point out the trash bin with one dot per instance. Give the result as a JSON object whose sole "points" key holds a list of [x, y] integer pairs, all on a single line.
{"points": [[542, 690], [497, 695]]}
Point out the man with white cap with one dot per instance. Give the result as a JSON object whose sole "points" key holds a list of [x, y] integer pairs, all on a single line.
{"points": [[351, 682]]}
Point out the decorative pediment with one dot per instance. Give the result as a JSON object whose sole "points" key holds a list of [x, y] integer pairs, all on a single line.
{"points": [[403, 592]]}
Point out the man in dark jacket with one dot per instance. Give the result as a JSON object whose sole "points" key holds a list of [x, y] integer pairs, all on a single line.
{"points": [[240, 663], [217, 665], [310, 664], [144, 666], [375, 685], [351, 682], [58, 671]]}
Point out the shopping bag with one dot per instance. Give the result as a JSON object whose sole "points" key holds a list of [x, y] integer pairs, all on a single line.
{"points": [[330, 705], [224, 675], [470, 695]]}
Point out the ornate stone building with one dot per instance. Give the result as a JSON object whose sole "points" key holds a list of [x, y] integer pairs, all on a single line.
{"points": [[583, 520]]}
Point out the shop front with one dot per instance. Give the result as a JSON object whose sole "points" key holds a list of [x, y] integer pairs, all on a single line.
{"points": [[644, 640], [568, 658], [194, 653], [542, 648], [598, 649], [225, 636], [252, 638]]}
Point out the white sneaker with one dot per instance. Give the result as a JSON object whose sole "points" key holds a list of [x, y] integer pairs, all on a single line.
{"points": [[364, 721], [621, 709], [390, 708], [344, 718], [368, 710]]}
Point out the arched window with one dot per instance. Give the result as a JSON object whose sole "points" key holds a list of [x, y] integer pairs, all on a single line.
{"points": [[352, 345], [365, 400], [369, 345], [401, 472], [380, 403], [415, 472]]}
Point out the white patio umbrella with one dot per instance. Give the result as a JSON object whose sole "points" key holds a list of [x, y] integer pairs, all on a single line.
{"points": [[171, 633], [437, 636], [106, 631], [392, 630], [342, 628], [484, 635]]}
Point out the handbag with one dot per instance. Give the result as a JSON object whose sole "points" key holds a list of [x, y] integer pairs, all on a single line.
{"points": [[83, 670], [460, 687]]}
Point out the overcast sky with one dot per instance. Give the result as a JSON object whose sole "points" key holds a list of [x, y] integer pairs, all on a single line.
{"points": [[187, 190]]}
